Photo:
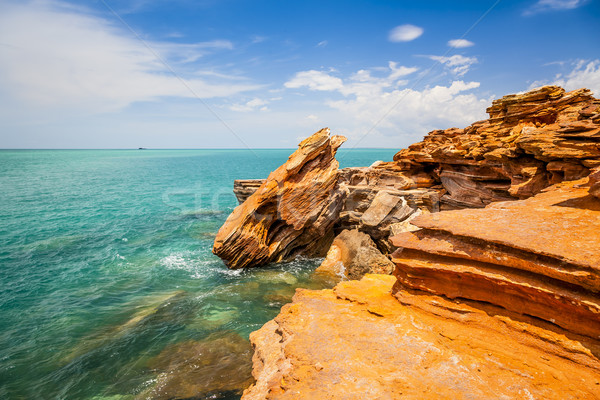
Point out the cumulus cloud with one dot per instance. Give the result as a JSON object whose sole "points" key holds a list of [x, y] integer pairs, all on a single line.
{"points": [[460, 43], [54, 56], [381, 106], [584, 74], [459, 65], [405, 33], [553, 5]]}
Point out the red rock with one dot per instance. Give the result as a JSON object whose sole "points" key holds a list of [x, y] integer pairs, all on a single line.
{"points": [[531, 141], [538, 257], [358, 341], [292, 213]]}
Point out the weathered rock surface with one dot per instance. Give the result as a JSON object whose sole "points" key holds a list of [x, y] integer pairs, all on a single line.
{"points": [[538, 257], [352, 255], [531, 141], [244, 188], [358, 341], [595, 182], [293, 211]]}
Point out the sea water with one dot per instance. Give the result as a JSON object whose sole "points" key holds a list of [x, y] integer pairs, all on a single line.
{"points": [[108, 286]]}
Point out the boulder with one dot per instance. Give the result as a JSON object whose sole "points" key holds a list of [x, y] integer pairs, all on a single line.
{"points": [[352, 255]]}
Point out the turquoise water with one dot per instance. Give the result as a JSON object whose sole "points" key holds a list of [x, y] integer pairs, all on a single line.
{"points": [[108, 283]]}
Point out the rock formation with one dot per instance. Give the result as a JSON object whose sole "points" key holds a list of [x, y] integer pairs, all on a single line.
{"points": [[244, 188], [530, 142], [292, 213], [495, 296], [538, 257], [352, 255], [358, 341]]}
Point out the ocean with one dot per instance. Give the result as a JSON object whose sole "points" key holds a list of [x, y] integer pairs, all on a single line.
{"points": [[109, 289]]}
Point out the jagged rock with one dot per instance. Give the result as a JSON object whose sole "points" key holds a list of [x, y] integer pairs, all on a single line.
{"points": [[293, 211], [244, 188], [537, 257], [352, 255], [531, 141], [359, 341]]}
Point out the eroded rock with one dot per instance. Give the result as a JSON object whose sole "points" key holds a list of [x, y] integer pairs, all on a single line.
{"points": [[352, 255], [359, 341], [531, 141], [292, 213], [538, 257]]}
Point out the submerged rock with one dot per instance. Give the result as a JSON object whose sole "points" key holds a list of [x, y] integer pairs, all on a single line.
{"points": [[352, 255], [198, 369], [292, 213]]}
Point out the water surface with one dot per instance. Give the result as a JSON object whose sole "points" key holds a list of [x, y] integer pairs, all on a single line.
{"points": [[108, 283]]}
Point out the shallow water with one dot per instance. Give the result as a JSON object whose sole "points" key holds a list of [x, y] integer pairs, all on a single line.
{"points": [[105, 262]]}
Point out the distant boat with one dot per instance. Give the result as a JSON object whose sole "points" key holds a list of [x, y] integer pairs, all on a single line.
{"points": [[142, 148]]}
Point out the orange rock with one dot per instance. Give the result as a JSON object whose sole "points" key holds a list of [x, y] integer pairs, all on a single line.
{"points": [[358, 341], [595, 182], [538, 257], [531, 141], [293, 211], [352, 255]]}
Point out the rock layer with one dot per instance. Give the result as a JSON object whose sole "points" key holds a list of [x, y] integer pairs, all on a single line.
{"points": [[538, 257], [531, 141], [358, 341], [292, 213]]}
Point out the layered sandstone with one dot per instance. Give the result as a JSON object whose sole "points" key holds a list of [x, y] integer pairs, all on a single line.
{"points": [[358, 341], [292, 213], [538, 257], [497, 297], [531, 141]]}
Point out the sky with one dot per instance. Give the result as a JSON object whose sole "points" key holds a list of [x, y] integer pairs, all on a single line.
{"points": [[268, 73]]}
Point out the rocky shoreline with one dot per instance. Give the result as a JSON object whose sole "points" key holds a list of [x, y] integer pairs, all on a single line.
{"points": [[492, 234]]}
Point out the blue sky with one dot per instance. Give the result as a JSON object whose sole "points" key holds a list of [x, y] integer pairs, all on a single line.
{"points": [[262, 74]]}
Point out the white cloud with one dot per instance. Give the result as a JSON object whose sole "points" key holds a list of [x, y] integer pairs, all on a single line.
{"points": [[402, 115], [405, 33], [459, 65], [322, 43], [55, 56], [553, 5], [252, 105], [585, 74], [460, 43], [315, 80]]}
